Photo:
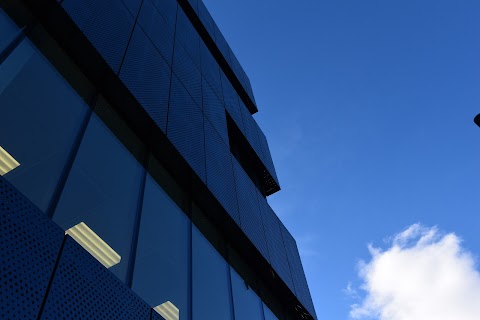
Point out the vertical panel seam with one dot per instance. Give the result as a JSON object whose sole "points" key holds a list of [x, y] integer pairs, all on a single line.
{"points": [[50, 281], [136, 227], [52, 206], [171, 71], [130, 38]]}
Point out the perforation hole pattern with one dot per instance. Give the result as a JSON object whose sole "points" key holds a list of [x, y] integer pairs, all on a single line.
{"points": [[29, 246], [83, 289]]}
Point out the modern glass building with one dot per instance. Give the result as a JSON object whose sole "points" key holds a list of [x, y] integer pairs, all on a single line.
{"points": [[133, 177]]}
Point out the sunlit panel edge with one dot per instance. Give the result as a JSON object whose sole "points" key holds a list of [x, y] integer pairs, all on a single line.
{"points": [[91, 242], [168, 310], [7, 162]]}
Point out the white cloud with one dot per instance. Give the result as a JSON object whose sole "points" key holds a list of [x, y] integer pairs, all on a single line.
{"points": [[423, 275]]}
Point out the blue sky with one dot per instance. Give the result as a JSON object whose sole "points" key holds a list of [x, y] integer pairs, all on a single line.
{"points": [[368, 107]]}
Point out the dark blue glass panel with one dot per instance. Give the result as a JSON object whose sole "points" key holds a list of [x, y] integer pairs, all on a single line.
{"points": [[107, 24], [188, 73], [220, 179], [250, 217], [210, 281], [157, 29], [8, 30], [162, 259], [276, 247], [188, 37], [268, 314], [102, 191], [29, 246], [185, 127], [214, 110], [33, 97], [147, 76], [83, 289], [247, 304]]}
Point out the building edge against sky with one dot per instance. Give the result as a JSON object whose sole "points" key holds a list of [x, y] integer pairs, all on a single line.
{"points": [[128, 143]]}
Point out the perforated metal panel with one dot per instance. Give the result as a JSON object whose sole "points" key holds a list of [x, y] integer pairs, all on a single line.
{"points": [[82, 288], [185, 127], [188, 73], [156, 316], [267, 157], [250, 130], [298, 275], [222, 44], [231, 101], [206, 18], [107, 24], [194, 4], [132, 6], [168, 9], [188, 37], [250, 217], [29, 245], [158, 29], [147, 76], [248, 87], [236, 67], [220, 180], [276, 247], [214, 110], [211, 70]]}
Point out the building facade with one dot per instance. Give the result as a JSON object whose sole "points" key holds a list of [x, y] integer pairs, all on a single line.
{"points": [[133, 176]]}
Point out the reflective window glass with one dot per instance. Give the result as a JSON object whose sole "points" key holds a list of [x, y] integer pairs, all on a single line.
{"points": [[40, 118], [210, 283], [102, 190], [247, 304], [161, 270], [268, 313]]}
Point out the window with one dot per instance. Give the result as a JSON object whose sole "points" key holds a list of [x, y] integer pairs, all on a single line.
{"points": [[210, 282], [162, 262], [40, 118], [102, 190], [247, 304], [268, 313]]}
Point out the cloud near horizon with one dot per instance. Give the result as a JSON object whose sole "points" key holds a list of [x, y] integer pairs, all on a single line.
{"points": [[423, 275]]}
